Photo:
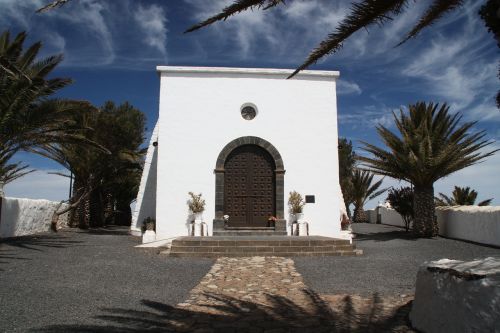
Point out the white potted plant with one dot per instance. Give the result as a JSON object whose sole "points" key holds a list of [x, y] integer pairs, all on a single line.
{"points": [[197, 206], [296, 204], [149, 230]]}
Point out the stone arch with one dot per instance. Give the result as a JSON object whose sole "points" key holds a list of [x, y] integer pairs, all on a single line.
{"points": [[219, 175]]}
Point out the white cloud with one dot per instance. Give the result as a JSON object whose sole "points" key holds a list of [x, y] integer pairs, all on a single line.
{"points": [[285, 33], [368, 117], [40, 185], [456, 67], [93, 33], [345, 88], [152, 20]]}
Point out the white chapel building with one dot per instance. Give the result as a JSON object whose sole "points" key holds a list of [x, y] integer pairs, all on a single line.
{"points": [[244, 138]]}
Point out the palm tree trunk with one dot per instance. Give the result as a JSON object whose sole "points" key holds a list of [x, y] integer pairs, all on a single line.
{"points": [[96, 211], [124, 216], [108, 207], [360, 215], [424, 224], [75, 214]]}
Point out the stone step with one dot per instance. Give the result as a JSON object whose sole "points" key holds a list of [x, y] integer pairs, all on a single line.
{"points": [[270, 249], [237, 246], [255, 232], [256, 241], [266, 254]]}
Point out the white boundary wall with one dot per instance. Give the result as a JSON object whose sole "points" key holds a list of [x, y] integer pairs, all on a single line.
{"points": [[21, 217], [480, 224]]}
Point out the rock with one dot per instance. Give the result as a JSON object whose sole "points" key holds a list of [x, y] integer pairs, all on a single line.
{"points": [[457, 296]]}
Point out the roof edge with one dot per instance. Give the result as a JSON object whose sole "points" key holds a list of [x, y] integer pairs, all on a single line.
{"points": [[235, 70]]}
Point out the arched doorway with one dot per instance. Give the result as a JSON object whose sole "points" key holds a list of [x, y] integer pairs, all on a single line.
{"points": [[249, 184], [249, 187]]}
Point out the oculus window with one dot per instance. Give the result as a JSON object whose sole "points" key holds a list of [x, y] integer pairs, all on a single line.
{"points": [[248, 112]]}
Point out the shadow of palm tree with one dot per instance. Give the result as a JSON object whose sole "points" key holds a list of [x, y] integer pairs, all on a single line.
{"points": [[384, 236], [10, 247], [228, 314], [109, 230], [7, 255], [38, 242]]}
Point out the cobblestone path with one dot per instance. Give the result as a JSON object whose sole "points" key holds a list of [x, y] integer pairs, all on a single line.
{"points": [[267, 294]]}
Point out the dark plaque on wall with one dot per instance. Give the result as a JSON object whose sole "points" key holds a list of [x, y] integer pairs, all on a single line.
{"points": [[310, 199]]}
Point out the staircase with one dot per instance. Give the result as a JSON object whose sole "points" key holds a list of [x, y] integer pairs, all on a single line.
{"points": [[248, 246], [249, 231]]}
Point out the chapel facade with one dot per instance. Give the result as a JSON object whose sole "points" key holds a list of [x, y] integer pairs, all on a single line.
{"points": [[244, 138]]}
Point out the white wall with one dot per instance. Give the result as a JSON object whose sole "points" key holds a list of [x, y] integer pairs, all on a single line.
{"points": [[472, 223], [200, 114], [372, 215], [391, 217], [146, 196], [22, 217]]}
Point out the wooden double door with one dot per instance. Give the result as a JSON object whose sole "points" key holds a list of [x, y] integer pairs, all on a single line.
{"points": [[249, 187]]}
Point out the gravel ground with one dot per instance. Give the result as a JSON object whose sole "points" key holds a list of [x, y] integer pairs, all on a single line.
{"points": [[72, 277], [389, 264]]}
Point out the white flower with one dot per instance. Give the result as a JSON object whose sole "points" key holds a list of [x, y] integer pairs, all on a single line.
{"points": [[226, 217]]}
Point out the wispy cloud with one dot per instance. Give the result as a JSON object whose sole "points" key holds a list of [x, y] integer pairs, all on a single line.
{"points": [[368, 116], [90, 33], [152, 20], [455, 69], [345, 88]]}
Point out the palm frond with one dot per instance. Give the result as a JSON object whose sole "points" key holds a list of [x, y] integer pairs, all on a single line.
{"points": [[430, 144], [362, 15], [435, 11], [486, 202], [52, 5], [236, 7]]}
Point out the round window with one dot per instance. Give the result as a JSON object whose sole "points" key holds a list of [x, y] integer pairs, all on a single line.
{"points": [[248, 112]]}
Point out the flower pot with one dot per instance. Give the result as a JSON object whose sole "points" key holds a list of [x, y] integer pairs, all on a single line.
{"points": [[303, 229], [299, 217], [198, 217], [198, 228], [148, 236], [271, 224]]}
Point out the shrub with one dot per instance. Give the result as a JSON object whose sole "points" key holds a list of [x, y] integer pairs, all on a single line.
{"points": [[402, 201], [149, 223], [296, 202], [196, 203]]}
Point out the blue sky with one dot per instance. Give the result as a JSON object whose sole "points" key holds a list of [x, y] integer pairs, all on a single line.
{"points": [[112, 47]]}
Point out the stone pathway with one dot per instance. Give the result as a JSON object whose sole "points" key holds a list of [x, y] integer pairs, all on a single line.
{"points": [[267, 294]]}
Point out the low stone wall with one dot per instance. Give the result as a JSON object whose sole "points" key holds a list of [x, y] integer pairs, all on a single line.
{"points": [[457, 296], [470, 223], [390, 216], [21, 217]]}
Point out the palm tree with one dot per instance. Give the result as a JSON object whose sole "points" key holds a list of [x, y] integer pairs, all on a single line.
{"points": [[106, 181], [461, 196], [431, 145], [29, 118], [363, 190]]}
